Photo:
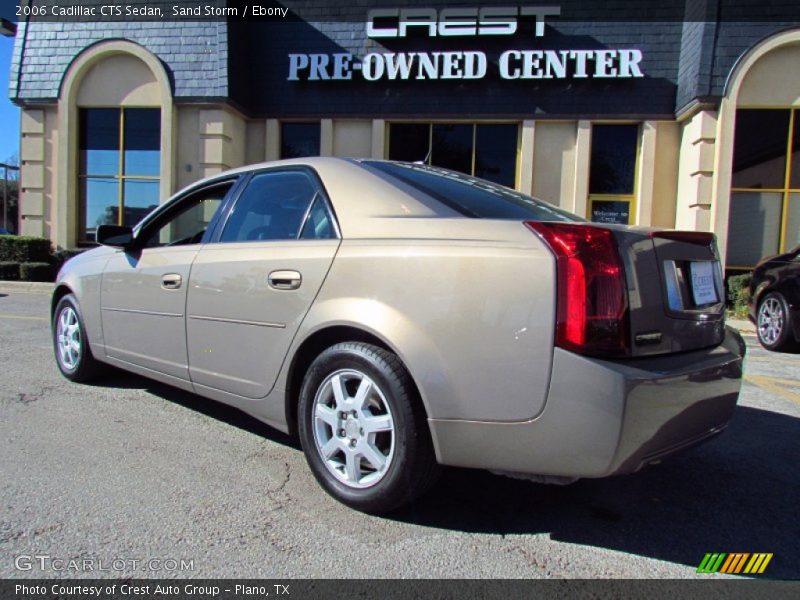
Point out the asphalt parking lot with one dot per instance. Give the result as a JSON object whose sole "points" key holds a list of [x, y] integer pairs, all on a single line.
{"points": [[132, 470]]}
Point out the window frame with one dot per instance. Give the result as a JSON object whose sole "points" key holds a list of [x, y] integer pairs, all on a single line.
{"points": [[474, 124], [785, 191], [235, 194], [632, 198], [175, 206], [120, 177]]}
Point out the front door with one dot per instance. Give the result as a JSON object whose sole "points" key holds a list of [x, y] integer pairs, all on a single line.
{"points": [[143, 293], [250, 291]]}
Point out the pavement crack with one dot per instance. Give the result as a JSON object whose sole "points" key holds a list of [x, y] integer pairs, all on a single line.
{"points": [[529, 557], [24, 398], [267, 456], [29, 398], [8, 534], [284, 480]]}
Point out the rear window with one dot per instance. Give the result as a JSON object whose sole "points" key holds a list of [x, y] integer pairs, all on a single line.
{"points": [[469, 196]]}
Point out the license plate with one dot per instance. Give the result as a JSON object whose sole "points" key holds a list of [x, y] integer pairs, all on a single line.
{"points": [[703, 289]]}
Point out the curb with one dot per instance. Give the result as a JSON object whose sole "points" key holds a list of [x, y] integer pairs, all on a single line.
{"points": [[27, 287], [742, 325]]}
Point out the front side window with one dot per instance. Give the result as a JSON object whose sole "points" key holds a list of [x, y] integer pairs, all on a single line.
{"points": [[299, 140], [487, 151], [119, 166], [764, 214], [187, 223], [273, 206], [612, 173]]}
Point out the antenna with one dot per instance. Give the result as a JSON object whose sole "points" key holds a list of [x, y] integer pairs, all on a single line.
{"points": [[425, 160], [428, 155]]}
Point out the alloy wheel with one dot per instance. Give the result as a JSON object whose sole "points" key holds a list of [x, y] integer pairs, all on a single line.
{"points": [[68, 337], [354, 431], [770, 320]]}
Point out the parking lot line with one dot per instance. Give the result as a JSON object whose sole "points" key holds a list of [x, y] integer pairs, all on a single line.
{"points": [[773, 359], [23, 317], [777, 386]]}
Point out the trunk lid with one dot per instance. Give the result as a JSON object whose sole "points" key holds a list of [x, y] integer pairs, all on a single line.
{"points": [[676, 294]]}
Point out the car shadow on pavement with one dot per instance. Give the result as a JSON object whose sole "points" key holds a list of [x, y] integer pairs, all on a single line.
{"points": [[736, 493], [216, 410]]}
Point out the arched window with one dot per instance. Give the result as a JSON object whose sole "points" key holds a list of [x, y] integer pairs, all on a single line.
{"points": [[755, 208], [765, 189], [119, 166], [115, 139]]}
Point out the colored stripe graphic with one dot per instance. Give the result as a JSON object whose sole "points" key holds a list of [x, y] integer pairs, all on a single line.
{"points": [[711, 563], [734, 563], [758, 563]]}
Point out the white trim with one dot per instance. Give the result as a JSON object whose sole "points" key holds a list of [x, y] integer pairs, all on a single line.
{"points": [[66, 192], [726, 125]]}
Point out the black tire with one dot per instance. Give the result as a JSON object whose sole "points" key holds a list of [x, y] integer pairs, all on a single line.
{"points": [[411, 468], [80, 366], [774, 323]]}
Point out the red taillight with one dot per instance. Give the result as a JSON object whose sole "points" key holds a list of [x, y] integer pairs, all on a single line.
{"points": [[592, 301]]}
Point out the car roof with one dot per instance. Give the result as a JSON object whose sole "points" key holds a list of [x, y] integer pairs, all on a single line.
{"points": [[356, 191], [370, 204]]}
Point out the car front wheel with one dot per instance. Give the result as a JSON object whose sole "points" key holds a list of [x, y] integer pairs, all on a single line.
{"points": [[773, 323], [73, 355], [362, 428]]}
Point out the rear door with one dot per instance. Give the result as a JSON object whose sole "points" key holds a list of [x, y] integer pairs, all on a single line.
{"points": [[251, 289], [143, 292]]}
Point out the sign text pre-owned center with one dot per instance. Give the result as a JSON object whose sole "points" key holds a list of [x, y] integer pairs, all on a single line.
{"points": [[382, 23]]}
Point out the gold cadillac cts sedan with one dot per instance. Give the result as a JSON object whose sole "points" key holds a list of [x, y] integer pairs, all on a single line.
{"points": [[399, 317]]}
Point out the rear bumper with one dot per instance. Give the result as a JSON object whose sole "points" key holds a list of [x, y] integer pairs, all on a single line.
{"points": [[606, 417]]}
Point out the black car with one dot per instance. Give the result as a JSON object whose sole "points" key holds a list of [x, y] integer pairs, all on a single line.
{"points": [[774, 304]]}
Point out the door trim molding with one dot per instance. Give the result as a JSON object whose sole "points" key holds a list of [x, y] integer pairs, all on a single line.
{"points": [[239, 321]]}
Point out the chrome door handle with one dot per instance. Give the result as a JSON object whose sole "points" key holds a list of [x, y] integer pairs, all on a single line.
{"points": [[285, 280], [171, 281]]}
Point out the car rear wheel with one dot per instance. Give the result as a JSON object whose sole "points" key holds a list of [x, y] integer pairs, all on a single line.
{"points": [[73, 355], [362, 430], [773, 323]]}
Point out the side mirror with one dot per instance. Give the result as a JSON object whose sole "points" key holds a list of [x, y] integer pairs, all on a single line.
{"points": [[118, 236]]}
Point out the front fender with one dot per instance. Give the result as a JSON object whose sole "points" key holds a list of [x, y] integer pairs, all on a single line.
{"points": [[82, 276]]}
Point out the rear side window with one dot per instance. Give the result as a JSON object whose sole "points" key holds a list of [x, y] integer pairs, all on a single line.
{"points": [[319, 224], [272, 207], [470, 196]]}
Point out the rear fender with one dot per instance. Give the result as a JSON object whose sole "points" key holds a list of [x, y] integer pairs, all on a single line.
{"points": [[400, 334]]}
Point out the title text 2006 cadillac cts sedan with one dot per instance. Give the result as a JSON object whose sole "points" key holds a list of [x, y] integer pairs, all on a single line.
{"points": [[399, 317]]}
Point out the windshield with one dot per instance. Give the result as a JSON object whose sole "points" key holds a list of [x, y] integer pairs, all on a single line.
{"points": [[470, 196]]}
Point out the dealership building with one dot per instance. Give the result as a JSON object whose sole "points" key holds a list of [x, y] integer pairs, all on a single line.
{"points": [[678, 114]]}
